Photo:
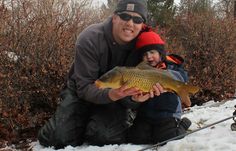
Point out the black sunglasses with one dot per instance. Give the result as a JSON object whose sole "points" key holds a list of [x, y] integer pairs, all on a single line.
{"points": [[127, 17]]}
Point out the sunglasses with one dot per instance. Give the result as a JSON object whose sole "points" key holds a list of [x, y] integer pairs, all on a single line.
{"points": [[127, 17]]}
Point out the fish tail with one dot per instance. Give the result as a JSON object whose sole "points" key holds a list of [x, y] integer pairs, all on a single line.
{"points": [[183, 93], [185, 100], [192, 89]]}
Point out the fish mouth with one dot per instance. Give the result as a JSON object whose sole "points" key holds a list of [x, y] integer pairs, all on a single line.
{"points": [[98, 83]]}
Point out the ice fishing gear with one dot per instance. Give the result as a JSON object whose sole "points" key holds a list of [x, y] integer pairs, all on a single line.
{"points": [[233, 125], [183, 135]]}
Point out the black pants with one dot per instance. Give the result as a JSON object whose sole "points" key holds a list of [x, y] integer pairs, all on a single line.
{"points": [[76, 120], [146, 132]]}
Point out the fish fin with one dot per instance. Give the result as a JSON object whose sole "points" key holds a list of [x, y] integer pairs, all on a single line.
{"points": [[163, 72], [166, 73], [124, 82], [144, 66]]}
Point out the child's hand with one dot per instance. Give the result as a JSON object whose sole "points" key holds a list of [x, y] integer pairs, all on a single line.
{"points": [[142, 97], [157, 90]]}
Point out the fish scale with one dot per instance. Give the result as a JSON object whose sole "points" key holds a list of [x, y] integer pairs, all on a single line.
{"points": [[135, 77]]}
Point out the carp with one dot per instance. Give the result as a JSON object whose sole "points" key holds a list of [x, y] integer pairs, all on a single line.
{"points": [[144, 77]]}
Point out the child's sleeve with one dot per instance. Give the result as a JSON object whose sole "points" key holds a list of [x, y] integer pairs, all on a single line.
{"points": [[175, 67]]}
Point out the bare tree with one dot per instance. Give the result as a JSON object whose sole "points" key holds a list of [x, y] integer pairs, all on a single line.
{"points": [[225, 8], [235, 9]]}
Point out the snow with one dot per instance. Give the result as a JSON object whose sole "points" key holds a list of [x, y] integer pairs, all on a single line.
{"points": [[219, 137]]}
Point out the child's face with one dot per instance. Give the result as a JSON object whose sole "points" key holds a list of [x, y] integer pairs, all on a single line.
{"points": [[153, 57]]}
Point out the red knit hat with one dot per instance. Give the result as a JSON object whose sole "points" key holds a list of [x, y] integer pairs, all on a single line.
{"points": [[150, 40]]}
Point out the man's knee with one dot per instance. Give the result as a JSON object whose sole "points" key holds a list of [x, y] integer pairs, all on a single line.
{"points": [[53, 135], [107, 126], [67, 125]]}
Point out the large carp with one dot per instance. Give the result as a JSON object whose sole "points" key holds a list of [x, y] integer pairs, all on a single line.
{"points": [[144, 77]]}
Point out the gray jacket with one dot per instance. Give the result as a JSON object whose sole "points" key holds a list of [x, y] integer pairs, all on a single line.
{"points": [[96, 53]]}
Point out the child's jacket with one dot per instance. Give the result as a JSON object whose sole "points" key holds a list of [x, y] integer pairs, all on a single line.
{"points": [[168, 104]]}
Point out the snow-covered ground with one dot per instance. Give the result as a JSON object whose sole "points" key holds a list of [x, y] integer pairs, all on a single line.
{"points": [[219, 137]]}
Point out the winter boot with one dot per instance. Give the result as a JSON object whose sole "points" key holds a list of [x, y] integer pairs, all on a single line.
{"points": [[185, 122]]}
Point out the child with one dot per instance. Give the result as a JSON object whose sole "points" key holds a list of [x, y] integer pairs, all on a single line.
{"points": [[158, 118]]}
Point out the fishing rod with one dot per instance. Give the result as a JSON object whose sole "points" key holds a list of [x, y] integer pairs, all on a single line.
{"points": [[183, 135], [233, 125]]}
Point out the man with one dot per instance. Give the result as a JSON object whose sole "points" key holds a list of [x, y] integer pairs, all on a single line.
{"points": [[86, 112]]}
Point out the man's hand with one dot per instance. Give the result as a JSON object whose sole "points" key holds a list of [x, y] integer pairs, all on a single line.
{"points": [[123, 91]]}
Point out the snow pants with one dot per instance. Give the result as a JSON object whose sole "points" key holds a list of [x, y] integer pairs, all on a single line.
{"points": [[143, 132], [76, 121]]}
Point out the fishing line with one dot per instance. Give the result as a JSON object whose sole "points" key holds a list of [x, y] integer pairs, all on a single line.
{"points": [[183, 135]]}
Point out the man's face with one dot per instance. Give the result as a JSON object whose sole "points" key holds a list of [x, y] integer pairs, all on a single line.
{"points": [[125, 30]]}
